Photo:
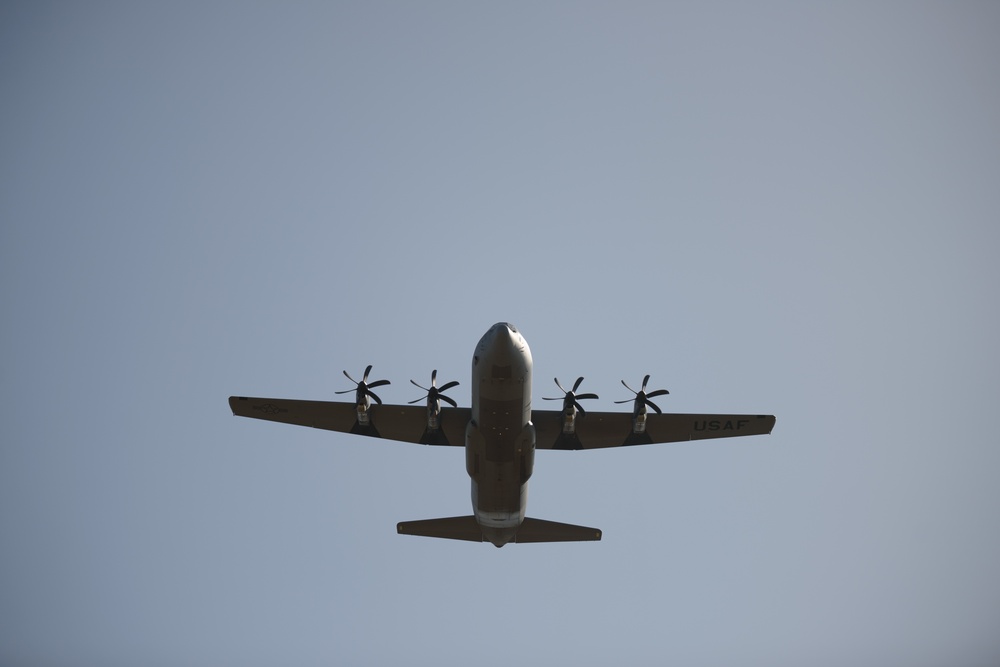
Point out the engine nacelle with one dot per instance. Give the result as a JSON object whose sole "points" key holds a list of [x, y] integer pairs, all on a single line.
{"points": [[639, 422], [569, 420], [364, 417], [433, 414]]}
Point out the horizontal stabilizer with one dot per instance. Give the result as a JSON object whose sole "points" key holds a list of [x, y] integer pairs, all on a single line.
{"points": [[466, 528], [452, 528], [538, 530]]}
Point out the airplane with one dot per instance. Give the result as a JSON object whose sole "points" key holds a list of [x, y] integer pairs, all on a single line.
{"points": [[500, 433]]}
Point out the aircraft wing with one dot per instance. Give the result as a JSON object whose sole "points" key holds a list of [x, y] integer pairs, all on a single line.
{"points": [[407, 423], [595, 430]]}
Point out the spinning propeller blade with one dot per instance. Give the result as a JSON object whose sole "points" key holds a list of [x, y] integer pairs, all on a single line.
{"points": [[570, 398], [364, 388], [434, 393], [641, 399]]}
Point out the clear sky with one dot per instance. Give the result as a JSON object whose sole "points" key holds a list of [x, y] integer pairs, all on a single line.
{"points": [[782, 208]]}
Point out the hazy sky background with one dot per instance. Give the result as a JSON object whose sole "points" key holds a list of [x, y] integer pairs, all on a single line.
{"points": [[778, 208]]}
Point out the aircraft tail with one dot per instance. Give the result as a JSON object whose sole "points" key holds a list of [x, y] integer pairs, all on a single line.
{"points": [[539, 530], [452, 528], [466, 528]]}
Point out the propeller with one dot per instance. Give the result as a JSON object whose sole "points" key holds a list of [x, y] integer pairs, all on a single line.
{"points": [[435, 393], [571, 398], [364, 388], [642, 398]]}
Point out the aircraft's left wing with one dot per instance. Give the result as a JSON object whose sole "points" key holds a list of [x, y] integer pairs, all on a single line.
{"points": [[407, 423], [595, 430]]}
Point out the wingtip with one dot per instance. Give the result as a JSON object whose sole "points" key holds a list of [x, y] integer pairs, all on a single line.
{"points": [[232, 403]]}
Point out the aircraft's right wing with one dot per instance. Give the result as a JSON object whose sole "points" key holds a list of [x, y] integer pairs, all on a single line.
{"points": [[596, 430], [407, 423]]}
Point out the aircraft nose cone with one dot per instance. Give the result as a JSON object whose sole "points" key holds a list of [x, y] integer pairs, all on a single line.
{"points": [[502, 343]]}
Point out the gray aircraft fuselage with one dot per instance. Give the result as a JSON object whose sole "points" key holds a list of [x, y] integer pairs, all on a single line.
{"points": [[500, 439]]}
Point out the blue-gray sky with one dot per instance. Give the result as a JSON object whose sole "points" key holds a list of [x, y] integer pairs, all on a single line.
{"points": [[777, 208]]}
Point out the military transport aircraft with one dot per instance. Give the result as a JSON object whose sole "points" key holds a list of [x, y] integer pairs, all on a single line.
{"points": [[500, 433]]}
